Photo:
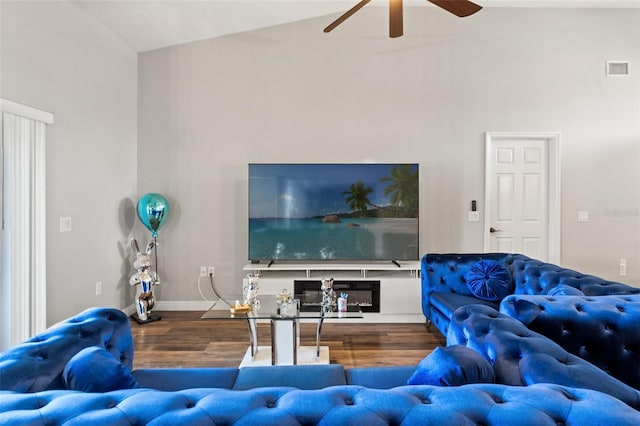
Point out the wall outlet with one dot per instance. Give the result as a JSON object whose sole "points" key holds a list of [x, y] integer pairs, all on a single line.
{"points": [[98, 288], [583, 216], [211, 271], [203, 271], [65, 224], [623, 267]]}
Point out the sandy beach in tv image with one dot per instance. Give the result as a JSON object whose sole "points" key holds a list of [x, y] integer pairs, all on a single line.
{"points": [[333, 211]]}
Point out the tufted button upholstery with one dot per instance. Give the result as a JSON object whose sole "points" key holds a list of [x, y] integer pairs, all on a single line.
{"points": [[476, 404], [444, 274], [535, 277], [480, 404], [523, 357], [37, 363], [444, 287], [604, 330]]}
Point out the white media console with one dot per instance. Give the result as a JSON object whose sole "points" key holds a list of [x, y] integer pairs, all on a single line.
{"points": [[400, 290]]}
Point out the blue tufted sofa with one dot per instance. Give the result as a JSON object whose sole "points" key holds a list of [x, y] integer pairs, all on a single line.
{"points": [[34, 390], [604, 330], [521, 357], [445, 289]]}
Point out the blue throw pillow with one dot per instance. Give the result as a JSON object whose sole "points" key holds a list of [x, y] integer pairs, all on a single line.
{"points": [[94, 369], [489, 280], [452, 366]]}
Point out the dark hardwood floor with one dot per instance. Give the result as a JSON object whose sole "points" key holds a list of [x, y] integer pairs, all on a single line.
{"points": [[182, 339]]}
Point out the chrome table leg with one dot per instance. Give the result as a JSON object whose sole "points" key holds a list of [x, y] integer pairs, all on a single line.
{"points": [[253, 336], [318, 331]]}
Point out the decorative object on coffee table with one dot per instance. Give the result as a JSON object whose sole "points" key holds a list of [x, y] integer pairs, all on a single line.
{"points": [[285, 302], [240, 308], [251, 289]]}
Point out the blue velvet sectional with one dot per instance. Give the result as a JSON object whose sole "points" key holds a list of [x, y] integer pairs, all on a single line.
{"points": [[79, 373], [522, 357], [495, 370], [445, 286], [535, 321], [604, 330]]}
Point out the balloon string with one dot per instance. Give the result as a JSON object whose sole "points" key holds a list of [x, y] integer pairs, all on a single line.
{"points": [[155, 241]]}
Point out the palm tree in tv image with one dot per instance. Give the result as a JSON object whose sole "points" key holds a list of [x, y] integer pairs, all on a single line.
{"points": [[403, 189], [358, 196], [402, 193]]}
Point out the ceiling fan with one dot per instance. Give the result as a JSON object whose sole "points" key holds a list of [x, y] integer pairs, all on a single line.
{"points": [[459, 8]]}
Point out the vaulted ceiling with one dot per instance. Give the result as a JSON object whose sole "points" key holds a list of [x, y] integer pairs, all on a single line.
{"points": [[152, 24]]}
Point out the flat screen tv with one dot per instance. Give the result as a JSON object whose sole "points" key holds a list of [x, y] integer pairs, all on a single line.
{"points": [[341, 212]]}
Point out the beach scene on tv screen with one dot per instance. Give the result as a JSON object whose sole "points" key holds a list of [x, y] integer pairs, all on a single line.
{"points": [[333, 211]]}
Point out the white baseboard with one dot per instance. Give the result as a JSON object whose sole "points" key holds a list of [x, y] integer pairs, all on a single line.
{"points": [[180, 305], [129, 310]]}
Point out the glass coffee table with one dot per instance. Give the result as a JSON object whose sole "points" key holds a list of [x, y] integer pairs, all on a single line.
{"points": [[285, 346]]}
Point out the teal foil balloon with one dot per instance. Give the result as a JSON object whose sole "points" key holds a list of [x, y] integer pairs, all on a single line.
{"points": [[153, 210]]}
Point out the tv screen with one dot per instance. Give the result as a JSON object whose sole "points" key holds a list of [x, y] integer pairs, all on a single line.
{"points": [[333, 212]]}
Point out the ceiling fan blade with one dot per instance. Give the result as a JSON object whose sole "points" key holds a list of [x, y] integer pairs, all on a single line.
{"points": [[395, 18], [346, 15], [460, 8]]}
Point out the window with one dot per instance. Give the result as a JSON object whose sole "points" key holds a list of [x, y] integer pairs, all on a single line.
{"points": [[23, 232]]}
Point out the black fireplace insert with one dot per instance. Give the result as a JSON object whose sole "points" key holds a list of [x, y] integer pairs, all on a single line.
{"points": [[365, 293]]}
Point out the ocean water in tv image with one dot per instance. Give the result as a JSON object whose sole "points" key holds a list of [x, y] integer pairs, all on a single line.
{"points": [[313, 239]]}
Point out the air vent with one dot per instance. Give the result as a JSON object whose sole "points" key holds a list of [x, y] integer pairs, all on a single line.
{"points": [[617, 68]]}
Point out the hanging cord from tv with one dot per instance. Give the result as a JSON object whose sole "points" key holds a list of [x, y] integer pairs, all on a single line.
{"points": [[215, 291]]}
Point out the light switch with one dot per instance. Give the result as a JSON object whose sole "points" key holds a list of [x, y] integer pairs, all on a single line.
{"points": [[65, 224], [474, 216], [583, 216]]}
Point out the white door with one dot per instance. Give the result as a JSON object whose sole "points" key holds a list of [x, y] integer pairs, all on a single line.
{"points": [[522, 194]]}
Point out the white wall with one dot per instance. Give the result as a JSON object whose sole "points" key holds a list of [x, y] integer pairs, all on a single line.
{"points": [[58, 59], [294, 94]]}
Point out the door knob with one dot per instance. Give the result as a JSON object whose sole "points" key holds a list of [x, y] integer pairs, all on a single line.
{"points": [[494, 230]]}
